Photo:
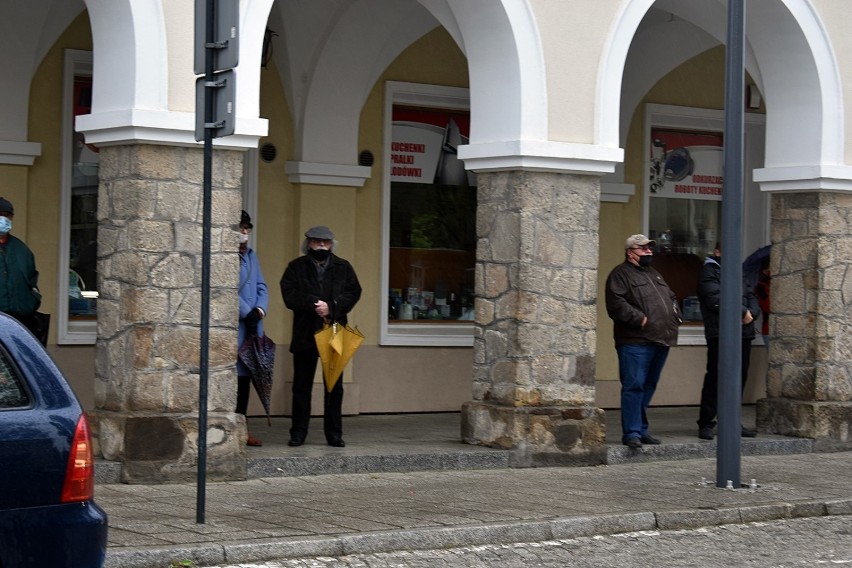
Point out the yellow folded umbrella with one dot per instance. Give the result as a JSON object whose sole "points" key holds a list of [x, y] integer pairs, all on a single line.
{"points": [[336, 345]]}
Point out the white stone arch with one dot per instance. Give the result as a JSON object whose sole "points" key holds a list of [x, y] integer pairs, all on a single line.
{"points": [[345, 69], [131, 67], [790, 56], [804, 97], [27, 32], [143, 82], [509, 103]]}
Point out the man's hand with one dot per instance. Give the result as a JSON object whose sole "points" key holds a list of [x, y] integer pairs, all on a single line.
{"points": [[321, 308], [748, 318]]}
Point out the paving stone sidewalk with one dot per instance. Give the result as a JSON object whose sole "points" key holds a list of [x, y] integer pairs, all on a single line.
{"points": [[286, 517]]}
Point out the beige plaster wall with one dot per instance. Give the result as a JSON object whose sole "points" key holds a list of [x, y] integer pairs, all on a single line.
{"points": [[44, 195], [574, 33], [682, 378], [381, 379]]}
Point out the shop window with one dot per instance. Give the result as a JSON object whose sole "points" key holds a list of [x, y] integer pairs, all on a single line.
{"points": [[78, 292], [429, 235], [684, 193]]}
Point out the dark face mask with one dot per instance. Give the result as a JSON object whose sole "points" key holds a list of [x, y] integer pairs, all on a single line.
{"points": [[646, 260], [319, 254]]}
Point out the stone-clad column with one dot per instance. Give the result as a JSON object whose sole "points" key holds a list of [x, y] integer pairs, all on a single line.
{"points": [[534, 347], [149, 322], [809, 390]]}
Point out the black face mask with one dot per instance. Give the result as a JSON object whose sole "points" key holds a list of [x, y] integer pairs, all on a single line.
{"points": [[319, 254], [646, 260]]}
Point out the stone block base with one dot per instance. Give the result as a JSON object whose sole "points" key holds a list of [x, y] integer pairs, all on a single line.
{"points": [[829, 423], [163, 448], [538, 436]]}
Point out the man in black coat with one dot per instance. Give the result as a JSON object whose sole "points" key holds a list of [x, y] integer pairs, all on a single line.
{"points": [[709, 292], [319, 287]]}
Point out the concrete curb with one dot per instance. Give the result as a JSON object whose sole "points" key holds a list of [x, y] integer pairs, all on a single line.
{"points": [[456, 536]]}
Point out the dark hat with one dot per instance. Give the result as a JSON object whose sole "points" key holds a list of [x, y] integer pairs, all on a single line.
{"points": [[6, 206], [245, 220], [320, 232]]}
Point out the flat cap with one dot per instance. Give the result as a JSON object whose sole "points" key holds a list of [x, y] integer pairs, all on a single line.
{"points": [[320, 232]]}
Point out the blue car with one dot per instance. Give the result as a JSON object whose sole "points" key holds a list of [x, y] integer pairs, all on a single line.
{"points": [[48, 517]]}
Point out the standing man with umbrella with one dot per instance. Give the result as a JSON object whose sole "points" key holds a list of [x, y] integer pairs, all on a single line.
{"points": [[320, 288], [254, 301]]}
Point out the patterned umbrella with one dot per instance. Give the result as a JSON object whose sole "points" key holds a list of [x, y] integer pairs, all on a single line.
{"points": [[258, 354]]}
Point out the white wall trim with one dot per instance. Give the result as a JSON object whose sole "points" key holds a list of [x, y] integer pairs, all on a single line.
{"points": [[617, 192], [19, 153], [542, 156], [69, 332], [137, 126], [805, 178], [327, 174]]}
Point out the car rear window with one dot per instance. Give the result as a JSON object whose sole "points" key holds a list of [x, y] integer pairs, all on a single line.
{"points": [[12, 392]]}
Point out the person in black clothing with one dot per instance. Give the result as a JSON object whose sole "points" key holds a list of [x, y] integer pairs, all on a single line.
{"points": [[709, 291], [319, 287]]}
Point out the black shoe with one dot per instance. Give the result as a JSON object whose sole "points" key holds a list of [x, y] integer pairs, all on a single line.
{"points": [[337, 443], [705, 433], [296, 442], [633, 442], [748, 432], [649, 439]]}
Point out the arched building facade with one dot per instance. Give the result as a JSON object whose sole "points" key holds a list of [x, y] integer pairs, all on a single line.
{"points": [[481, 162]]}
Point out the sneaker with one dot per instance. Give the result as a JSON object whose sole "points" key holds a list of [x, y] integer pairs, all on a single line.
{"points": [[705, 433], [748, 432], [296, 441], [252, 441], [633, 442], [649, 439]]}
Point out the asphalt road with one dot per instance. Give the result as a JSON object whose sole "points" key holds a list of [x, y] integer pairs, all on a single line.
{"points": [[819, 541]]}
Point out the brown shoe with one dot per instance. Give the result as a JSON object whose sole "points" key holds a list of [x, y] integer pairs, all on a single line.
{"points": [[252, 441]]}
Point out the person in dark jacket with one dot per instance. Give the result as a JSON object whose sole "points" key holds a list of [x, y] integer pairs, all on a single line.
{"points": [[645, 319], [254, 301], [19, 294], [319, 287], [709, 292]]}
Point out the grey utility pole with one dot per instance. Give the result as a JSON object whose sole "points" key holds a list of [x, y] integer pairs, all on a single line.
{"points": [[728, 458]]}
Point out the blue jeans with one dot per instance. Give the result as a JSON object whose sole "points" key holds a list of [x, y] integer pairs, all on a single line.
{"points": [[639, 368]]}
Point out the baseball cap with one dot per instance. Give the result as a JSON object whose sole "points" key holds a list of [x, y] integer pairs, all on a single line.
{"points": [[638, 241]]}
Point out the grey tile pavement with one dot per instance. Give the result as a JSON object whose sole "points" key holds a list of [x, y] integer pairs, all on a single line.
{"points": [[283, 516]]}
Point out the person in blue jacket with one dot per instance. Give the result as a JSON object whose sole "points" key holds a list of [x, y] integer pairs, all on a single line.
{"points": [[254, 301]]}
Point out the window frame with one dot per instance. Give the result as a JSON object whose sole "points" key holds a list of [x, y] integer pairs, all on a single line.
{"points": [[754, 200], [69, 332], [433, 334]]}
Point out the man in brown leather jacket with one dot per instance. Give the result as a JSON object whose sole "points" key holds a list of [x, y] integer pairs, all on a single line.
{"points": [[645, 315]]}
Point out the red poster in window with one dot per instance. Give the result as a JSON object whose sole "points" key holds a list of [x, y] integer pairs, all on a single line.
{"points": [[686, 164], [424, 146]]}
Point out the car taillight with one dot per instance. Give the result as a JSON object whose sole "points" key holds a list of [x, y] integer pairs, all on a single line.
{"points": [[80, 473]]}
